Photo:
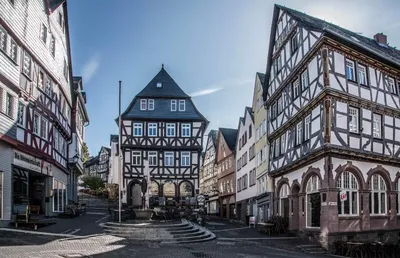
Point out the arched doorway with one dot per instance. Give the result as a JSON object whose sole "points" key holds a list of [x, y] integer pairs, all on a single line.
{"points": [[185, 189], [154, 190], [284, 201], [313, 213], [294, 223], [135, 191], [169, 189]]}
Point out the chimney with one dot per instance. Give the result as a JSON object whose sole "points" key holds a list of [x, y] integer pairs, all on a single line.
{"points": [[381, 38]]}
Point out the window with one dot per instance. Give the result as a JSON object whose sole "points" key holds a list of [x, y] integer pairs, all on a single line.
{"points": [[296, 90], [143, 104], [66, 70], [347, 183], [153, 158], [27, 65], [43, 33], [304, 80], [181, 105], [159, 84], [354, 119], [274, 111], [14, 51], [279, 64], [250, 131], [377, 125], [152, 130], [185, 159], [21, 113], [173, 105], [299, 133], [9, 104], [283, 201], [59, 196], [185, 130], [36, 122], [150, 103], [136, 158], [350, 75], [362, 74], [49, 87], [170, 130], [53, 46], [3, 39], [60, 19], [283, 143], [280, 105], [277, 142], [313, 207], [307, 127], [239, 186], [40, 79], [392, 85], [295, 42], [377, 200], [44, 128], [137, 129], [169, 159]]}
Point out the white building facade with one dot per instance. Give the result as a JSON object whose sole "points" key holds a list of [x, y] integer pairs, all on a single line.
{"points": [[246, 188]]}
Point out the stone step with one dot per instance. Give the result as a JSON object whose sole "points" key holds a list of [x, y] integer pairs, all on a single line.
{"points": [[312, 249], [182, 225], [185, 230]]}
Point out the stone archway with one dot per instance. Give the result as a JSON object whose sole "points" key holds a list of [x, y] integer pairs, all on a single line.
{"points": [[186, 189], [169, 189], [295, 207], [134, 193], [154, 189]]}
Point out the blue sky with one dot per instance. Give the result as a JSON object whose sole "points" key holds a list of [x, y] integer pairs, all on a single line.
{"points": [[207, 46]]}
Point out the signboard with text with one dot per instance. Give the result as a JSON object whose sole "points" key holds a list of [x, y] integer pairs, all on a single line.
{"points": [[30, 162]]}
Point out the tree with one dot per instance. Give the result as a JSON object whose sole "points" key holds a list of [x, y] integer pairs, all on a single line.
{"points": [[85, 151], [92, 182]]}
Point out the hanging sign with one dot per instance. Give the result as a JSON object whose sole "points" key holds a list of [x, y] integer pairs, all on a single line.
{"points": [[343, 196]]}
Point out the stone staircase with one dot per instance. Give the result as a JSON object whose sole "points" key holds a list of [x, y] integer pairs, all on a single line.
{"points": [[94, 205], [165, 233], [312, 249]]}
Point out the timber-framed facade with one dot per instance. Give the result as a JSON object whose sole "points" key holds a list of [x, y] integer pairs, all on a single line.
{"points": [[162, 131], [334, 127]]}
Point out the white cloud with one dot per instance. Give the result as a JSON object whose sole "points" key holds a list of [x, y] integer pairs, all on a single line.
{"points": [[217, 87], [90, 68]]}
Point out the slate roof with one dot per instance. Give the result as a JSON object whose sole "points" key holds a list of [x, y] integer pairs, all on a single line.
{"points": [[214, 136], [91, 161], [367, 43], [169, 87], [230, 136], [386, 53], [250, 110], [54, 4], [114, 138], [162, 102], [261, 76]]}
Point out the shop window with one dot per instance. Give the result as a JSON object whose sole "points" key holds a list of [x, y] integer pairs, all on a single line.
{"points": [[284, 201], [377, 200], [313, 202], [59, 196], [348, 185]]}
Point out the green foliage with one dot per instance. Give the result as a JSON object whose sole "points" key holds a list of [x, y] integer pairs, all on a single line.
{"points": [[92, 182], [85, 152]]}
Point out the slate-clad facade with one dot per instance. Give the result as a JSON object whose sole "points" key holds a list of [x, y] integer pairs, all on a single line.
{"points": [[332, 99], [161, 131]]}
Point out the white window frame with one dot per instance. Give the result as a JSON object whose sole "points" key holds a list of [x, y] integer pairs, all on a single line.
{"points": [[21, 114], [283, 194], [347, 181], [377, 125], [277, 145], [3, 39], [37, 131], [9, 104], [169, 159], [184, 128], [299, 133], [304, 80], [283, 143], [362, 74], [150, 104], [150, 128], [153, 157], [48, 88], [143, 104], [312, 187], [280, 105], [307, 128], [136, 158], [139, 127], [173, 104], [41, 80], [185, 159], [43, 33], [182, 105], [13, 50], [159, 85], [52, 45], [170, 127], [296, 88], [44, 122], [60, 189], [350, 67], [27, 65], [377, 185], [354, 114], [392, 85]]}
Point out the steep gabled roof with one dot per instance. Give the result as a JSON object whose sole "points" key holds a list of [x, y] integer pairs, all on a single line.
{"points": [[230, 136], [113, 138], [386, 53], [91, 161], [169, 87], [214, 136], [261, 76]]}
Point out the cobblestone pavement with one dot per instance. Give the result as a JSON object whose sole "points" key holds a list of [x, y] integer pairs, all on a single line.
{"points": [[98, 246]]}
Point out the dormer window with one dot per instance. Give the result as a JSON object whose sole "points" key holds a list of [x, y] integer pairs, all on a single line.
{"points": [[159, 84], [143, 104], [150, 104], [173, 105], [181, 105]]}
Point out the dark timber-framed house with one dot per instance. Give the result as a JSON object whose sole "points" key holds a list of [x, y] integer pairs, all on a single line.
{"points": [[162, 128], [332, 98]]}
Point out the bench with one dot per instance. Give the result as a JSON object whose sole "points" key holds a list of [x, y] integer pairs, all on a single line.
{"points": [[27, 214], [266, 227]]}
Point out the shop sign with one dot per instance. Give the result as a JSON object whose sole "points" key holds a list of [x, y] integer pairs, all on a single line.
{"points": [[343, 196], [27, 161]]}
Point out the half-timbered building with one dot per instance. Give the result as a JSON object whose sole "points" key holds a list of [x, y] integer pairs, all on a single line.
{"points": [[226, 167], [334, 126], [208, 175], [246, 188], [162, 137], [35, 106]]}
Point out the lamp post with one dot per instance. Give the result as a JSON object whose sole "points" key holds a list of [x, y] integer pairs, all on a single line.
{"points": [[120, 156]]}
